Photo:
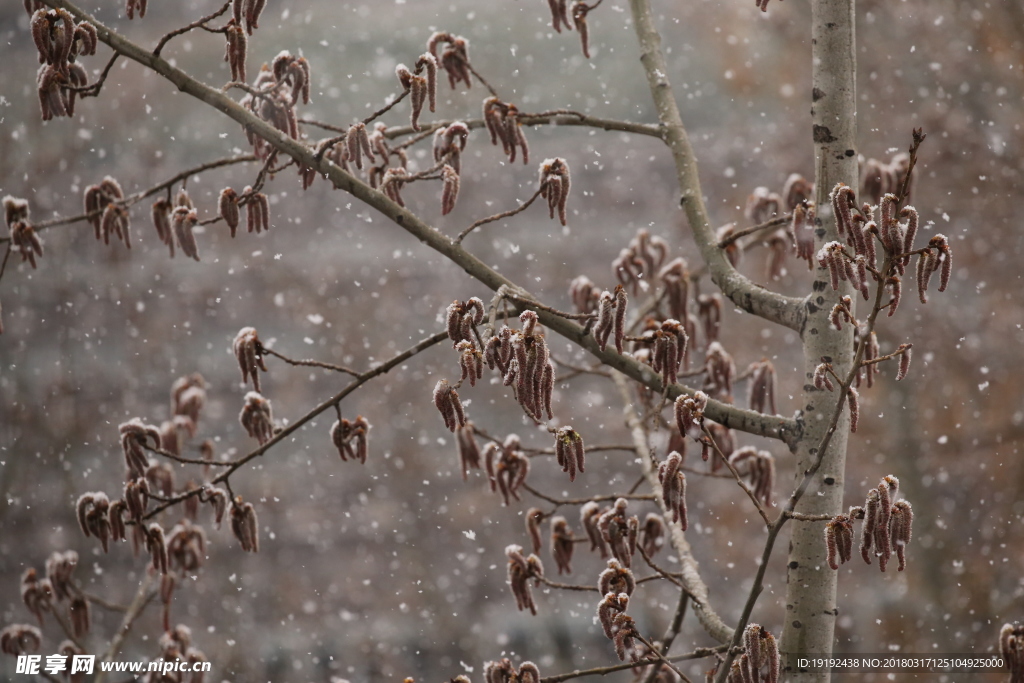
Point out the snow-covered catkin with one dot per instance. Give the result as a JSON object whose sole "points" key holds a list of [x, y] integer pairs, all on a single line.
{"points": [[569, 451], [562, 544], [854, 398], [904, 363], [245, 526], [446, 399], [228, 207], [822, 380], [533, 518], [605, 319], [590, 515], [249, 353], [620, 316], [449, 190], [900, 522], [579, 18], [257, 418], [469, 452]]}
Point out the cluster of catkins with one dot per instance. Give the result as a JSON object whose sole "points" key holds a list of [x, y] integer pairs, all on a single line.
{"points": [[760, 662], [507, 467], [860, 230], [422, 89], [758, 467], [107, 211], [522, 357], [618, 626], [24, 239], [764, 205], [176, 646], [60, 41], [257, 209], [502, 121], [639, 261], [349, 437], [520, 571], [560, 12], [503, 671], [42, 595], [256, 416], [1011, 648], [886, 528], [274, 95]]}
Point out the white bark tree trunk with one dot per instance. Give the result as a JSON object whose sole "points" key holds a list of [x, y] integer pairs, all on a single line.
{"points": [[811, 585]]}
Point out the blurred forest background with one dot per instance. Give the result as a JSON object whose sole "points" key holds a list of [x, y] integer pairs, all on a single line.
{"points": [[396, 568]]}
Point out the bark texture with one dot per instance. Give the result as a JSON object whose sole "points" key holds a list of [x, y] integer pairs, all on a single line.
{"points": [[811, 585]]}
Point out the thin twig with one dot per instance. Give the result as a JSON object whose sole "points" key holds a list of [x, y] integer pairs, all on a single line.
{"points": [[93, 89], [311, 363], [139, 196], [699, 653], [497, 217], [670, 633], [142, 598], [558, 502], [185, 29], [736, 475], [772, 223], [281, 435]]}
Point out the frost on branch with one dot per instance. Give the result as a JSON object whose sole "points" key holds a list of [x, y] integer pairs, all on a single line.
{"points": [[520, 571], [554, 186], [349, 437], [256, 417]]}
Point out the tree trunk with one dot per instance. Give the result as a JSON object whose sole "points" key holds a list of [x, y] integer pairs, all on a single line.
{"points": [[811, 585]]}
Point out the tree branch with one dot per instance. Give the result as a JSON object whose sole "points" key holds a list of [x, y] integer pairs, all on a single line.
{"points": [[726, 415], [786, 311], [692, 581]]}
